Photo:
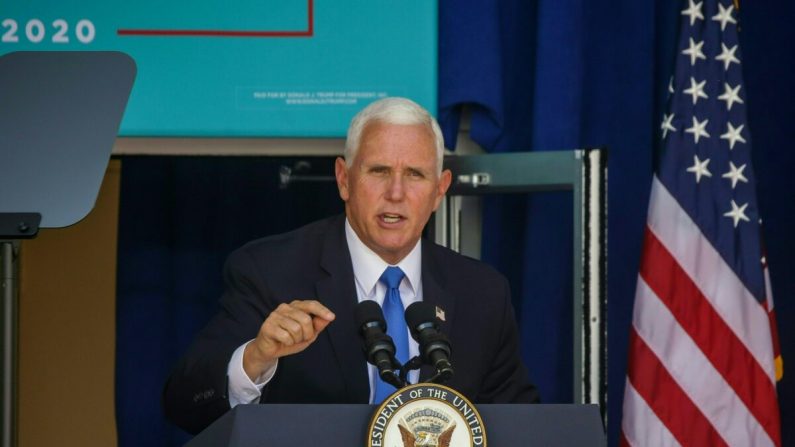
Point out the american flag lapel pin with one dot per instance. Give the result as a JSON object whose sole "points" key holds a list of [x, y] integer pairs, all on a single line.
{"points": [[440, 313]]}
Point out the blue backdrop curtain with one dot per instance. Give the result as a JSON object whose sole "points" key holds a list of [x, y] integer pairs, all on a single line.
{"points": [[536, 75], [572, 74], [179, 218]]}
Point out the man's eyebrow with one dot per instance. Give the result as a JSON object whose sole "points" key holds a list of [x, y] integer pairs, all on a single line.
{"points": [[381, 166], [418, 170], [376, 166]]}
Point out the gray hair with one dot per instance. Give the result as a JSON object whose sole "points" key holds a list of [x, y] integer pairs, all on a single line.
{"points": [[393, 110]]}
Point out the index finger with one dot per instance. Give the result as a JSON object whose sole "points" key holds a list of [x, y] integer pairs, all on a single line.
{"points": [[313, 307]]}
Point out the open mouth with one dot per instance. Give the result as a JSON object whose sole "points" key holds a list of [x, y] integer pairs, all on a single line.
{"points": [[391, 218]]}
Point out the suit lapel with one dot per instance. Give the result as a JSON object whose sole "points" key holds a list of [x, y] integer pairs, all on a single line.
{"points": [[434, 291], [337, 291]]}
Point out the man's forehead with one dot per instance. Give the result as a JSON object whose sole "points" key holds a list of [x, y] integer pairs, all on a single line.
{"points": [[392, 140], [392, 158], [384, 129]]}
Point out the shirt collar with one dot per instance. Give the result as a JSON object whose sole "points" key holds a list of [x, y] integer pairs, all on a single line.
{"points": [[368, 266]]}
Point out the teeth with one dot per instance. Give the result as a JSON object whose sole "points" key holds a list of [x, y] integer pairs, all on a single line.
{"points": [[391, 218]]}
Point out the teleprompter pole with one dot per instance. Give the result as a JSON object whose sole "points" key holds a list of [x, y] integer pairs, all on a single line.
{"points": [[9, 343]]}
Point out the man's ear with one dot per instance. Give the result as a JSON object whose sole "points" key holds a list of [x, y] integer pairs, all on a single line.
{"points": [[341, 173], [441, 188]]}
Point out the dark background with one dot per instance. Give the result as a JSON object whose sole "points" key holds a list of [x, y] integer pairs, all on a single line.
{"points": [[537, 75]]}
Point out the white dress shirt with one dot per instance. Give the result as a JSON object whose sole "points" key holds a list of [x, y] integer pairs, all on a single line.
{"points": [[367, 269]]}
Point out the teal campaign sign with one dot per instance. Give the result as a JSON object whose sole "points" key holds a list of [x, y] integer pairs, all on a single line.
{"points": [[219, 68]]}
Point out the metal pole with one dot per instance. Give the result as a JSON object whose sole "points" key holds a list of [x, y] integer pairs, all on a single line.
{"points": [[9, 342], [579, 363]]}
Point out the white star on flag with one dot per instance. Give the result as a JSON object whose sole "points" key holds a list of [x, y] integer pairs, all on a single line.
{"points": [[727, 56], [693, 11], [731, 95], [666, 124], [724, 16], [694, 51], [733, 134], [698, 129], [735, 174], [699, 168], [696, 90], [737, 213]]}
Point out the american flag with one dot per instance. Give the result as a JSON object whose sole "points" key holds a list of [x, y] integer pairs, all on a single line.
{"points": [[703, 358]]}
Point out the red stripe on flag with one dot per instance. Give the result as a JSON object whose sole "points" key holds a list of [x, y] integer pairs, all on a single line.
{"points": [[774, 333], [664, 396], [720, 345], [622, 441], [771, 315]]}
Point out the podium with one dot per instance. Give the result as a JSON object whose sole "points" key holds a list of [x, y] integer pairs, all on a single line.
{"points": [[287, 425]]}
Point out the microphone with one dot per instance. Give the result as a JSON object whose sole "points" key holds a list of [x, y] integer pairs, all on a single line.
{"points": [[434, 346], [378, 346]]}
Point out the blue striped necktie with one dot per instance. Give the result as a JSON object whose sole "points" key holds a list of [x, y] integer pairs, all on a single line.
{"points": [[395, 324]]}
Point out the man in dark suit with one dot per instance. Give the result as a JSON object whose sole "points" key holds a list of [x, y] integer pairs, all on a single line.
{"points": [[285, 332]]}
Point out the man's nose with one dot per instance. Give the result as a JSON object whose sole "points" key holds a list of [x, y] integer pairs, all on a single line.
{"points": [[395, 187]]}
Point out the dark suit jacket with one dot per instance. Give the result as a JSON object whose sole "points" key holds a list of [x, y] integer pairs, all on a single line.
{"points": [[313, 262]]}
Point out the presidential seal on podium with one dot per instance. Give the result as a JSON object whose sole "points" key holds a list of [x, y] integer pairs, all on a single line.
{"points": [[426, 414]]}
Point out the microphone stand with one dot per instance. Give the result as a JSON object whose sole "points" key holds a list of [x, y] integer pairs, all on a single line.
{"points": [[440, 377], [389, 376], [411, 365]]}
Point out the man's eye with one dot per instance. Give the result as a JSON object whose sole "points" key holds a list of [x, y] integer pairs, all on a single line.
{"points": [[416, 174]]}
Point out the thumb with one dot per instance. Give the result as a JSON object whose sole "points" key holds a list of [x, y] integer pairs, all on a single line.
{"points": [[320, 324]]}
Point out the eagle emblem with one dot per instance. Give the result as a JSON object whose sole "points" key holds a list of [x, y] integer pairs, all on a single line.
{"points": [[426, 427]]}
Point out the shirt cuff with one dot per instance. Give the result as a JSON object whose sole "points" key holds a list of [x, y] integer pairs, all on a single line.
{"points": [[241, 389]]}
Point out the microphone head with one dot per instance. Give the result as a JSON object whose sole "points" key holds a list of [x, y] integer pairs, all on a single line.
{"points": [[368, 312], [420, 315], [378, 347]]}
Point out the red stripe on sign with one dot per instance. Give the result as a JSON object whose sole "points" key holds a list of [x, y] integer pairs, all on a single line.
{"points": [[309, 32], [211, 33], [311, 18], [664, 396], [694, 313]]}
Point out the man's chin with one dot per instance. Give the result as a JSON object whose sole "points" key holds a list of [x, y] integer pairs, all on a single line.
{"points": [[394, 252]]}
